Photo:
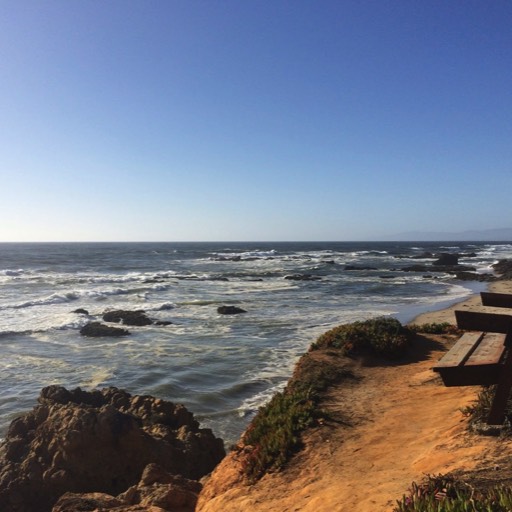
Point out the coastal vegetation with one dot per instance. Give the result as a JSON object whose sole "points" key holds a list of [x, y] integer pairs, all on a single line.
{"points": [[275, 433], [384, 336], [447, 494]]}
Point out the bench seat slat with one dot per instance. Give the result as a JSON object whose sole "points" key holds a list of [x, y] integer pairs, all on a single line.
{"points": [[461, 351], [489, 352]]}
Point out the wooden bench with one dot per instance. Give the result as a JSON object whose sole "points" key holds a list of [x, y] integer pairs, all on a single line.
{"points": [[481, 357]]}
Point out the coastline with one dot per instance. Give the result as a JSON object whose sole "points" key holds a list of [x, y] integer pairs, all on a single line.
{"points": [[389, 408], [472, 303], [384, 408]]}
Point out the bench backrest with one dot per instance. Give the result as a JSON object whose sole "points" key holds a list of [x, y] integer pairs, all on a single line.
{"points": [[487, 322], [497, 300]]}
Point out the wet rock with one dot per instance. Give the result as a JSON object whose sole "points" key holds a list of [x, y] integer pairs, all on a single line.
{"points": [[230, 310], [437, 268], [81, 311], [82, 442], [137, 317], [504, 268], [473, 276], [447, 260], [163, 322], [97, 329]]}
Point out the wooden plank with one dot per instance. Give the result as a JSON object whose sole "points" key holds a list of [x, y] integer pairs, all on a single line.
{"points": [[471, 375], [497, 300], [489, 350], [488, 322], [461, 351]]}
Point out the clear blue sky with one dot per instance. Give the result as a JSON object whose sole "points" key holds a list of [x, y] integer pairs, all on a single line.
{"points": [[253, 119]]}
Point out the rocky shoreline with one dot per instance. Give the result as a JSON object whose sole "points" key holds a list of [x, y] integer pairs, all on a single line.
{"points": [[102, 442]]}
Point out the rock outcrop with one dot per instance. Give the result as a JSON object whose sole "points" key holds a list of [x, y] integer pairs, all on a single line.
{"points": [[99, 441], [504, 268]]}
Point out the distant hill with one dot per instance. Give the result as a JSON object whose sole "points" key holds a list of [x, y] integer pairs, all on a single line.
{"points": [[494, 235]]}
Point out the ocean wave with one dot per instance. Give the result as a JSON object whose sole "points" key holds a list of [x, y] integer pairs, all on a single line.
{"points": [[161, 307], [245, 255], [13, 273], [55, 298], [253, 403]]}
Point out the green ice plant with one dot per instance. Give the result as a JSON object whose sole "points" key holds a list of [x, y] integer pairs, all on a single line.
{"points": [[274, 434], [445, 494]]}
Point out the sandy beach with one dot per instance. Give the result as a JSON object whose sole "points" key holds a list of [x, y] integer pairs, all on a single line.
{"points": [[471, 304], [399, 424]]}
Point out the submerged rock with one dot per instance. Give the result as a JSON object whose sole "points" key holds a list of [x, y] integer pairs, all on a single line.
{"points": [[303, 277], [81, 311], [97, 330], [99, 441], [137, 317], [230, 310]]}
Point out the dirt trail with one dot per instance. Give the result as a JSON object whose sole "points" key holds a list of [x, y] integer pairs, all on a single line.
{"points": [[399, 424]]}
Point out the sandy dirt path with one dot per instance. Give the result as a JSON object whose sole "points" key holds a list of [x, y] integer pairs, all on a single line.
{"points": [[398, 423]]}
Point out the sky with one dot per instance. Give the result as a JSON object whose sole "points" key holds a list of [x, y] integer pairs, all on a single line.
{"points": [[223, 120]]}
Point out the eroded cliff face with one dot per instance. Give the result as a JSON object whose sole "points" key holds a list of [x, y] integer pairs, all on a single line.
{"points": [[98, 441]]}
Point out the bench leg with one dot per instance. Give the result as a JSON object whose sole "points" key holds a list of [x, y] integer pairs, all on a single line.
{"points": [[499, 403]]}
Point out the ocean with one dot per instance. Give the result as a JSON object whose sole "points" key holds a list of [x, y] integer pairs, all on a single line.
{"points": [[221, 367]]}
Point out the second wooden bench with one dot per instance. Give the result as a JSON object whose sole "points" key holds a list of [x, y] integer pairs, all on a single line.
{"points": [[481, 357]]}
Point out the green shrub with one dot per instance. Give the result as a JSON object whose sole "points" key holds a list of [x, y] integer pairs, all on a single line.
{"points": [[274, 434], [314, 376], [383, 336], [445, 494], [435, 328]]}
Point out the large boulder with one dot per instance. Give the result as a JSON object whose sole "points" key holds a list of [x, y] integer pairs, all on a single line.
{"points": [[99, 441]]}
